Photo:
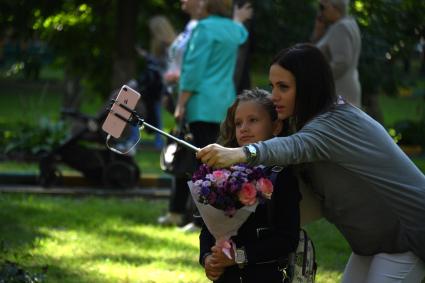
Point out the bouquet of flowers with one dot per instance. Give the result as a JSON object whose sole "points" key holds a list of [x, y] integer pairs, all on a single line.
{"points": [[226, 197]]}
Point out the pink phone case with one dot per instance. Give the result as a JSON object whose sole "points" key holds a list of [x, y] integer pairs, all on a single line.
{"points": [[113, 125]]}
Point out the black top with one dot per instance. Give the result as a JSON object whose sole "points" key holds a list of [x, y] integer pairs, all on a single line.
{"points": [[269, 234]]}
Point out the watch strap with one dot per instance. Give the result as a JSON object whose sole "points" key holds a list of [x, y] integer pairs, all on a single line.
{"points": [[250, 151]]}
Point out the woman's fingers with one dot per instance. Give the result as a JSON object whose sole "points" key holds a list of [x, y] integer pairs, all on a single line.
{"points": [[217, 156], [208, 154]]}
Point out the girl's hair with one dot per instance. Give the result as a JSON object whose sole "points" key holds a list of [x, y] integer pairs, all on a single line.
{"points": [[162, 33], [227, 135], [218, 7], [315, 89]]}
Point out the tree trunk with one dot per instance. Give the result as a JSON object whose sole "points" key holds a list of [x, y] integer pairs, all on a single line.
{"points": [[124, 65]]}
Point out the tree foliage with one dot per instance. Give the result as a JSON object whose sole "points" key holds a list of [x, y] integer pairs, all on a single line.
{"points": [[391, 29], [83, 34]]}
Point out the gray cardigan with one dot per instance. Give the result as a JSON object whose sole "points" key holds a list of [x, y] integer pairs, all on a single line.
{"points": [[341, 46], [369, 188]]}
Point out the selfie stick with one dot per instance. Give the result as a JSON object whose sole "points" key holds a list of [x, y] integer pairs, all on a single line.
{"points": [[136, 120]]}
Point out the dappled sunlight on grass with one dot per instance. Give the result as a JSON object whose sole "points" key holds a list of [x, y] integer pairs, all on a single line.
{"points": [[325, 276], [108, 240], [98, 240]]}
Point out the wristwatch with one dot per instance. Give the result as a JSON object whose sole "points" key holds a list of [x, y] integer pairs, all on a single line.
{"points": [[240, 257], [250, 152]]}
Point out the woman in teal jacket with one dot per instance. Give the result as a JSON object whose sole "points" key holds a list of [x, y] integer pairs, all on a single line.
{"points": [[206, 82]]}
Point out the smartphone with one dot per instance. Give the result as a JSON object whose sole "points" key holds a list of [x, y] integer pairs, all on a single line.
{"points": [[113, 125]]}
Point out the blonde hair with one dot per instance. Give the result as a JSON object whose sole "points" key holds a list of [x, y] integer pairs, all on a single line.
{"points": [[219, 7], [162, 33]]}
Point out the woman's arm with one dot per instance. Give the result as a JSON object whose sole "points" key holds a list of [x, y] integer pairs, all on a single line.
{"points": [[307, 145]]}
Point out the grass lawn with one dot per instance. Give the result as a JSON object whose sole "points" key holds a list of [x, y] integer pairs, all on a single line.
{"points": [[98, 240]]}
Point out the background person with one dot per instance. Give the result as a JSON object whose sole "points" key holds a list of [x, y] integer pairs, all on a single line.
{"points": [[162, 36], [204, 69], [370, 190], [206, 86], [337, 35], [179, 195]]}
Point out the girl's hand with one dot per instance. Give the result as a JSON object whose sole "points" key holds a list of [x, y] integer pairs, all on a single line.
{"points": [[220, 258], [217, 156], [212, 269]]}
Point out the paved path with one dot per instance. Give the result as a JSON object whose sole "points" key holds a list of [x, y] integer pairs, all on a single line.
{"points": [[150, 186]]}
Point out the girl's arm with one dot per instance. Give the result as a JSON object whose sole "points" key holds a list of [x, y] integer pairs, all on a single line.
{"points": [[206, 242], [213, 269]]}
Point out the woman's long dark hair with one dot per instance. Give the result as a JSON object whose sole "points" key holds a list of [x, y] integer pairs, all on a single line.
{"points": [[227, 135], [314, 80]]}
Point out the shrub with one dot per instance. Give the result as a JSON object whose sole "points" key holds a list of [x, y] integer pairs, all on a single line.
{"points": [[28, 140]]}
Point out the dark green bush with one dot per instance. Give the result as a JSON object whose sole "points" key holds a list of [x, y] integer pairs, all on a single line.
{"points": [[412, 132], [11, 272], [28, 140]]}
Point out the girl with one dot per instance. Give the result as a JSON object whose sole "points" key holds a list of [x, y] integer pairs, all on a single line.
{"points": [[264, 240], [371, 191]]}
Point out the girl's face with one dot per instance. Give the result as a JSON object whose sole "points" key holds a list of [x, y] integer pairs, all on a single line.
{"points": [[283, 91], [253, 123]]}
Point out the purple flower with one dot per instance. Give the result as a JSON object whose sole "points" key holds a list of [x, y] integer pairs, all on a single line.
{"points": [[222, 188]]}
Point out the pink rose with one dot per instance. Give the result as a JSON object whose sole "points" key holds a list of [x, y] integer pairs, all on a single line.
{"points": [[220, 176], [248, 194], [265, 186]]}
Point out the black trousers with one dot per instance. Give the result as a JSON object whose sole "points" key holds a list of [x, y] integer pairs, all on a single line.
{"points": [[204, 133]]}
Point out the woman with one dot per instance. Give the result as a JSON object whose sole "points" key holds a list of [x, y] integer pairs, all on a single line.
{"points": [[179, 194], [206, 87], [197, 79], [370, 189], [162, 36]]}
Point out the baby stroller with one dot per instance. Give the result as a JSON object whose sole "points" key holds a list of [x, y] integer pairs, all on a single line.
{"points": [[86, 152]]}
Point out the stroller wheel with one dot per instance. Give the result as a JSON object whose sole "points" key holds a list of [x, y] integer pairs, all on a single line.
{"points": [[120, 174], [50, 177]]}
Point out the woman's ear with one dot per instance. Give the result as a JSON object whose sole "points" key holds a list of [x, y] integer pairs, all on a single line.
{"points": [[277, 127]]}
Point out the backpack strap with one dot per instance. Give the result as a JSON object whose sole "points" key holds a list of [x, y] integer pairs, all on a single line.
{"points": [[273, 176]]}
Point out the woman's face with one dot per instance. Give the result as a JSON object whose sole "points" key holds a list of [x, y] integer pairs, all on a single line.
{"points": [[283, 91], [253, 123]]}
